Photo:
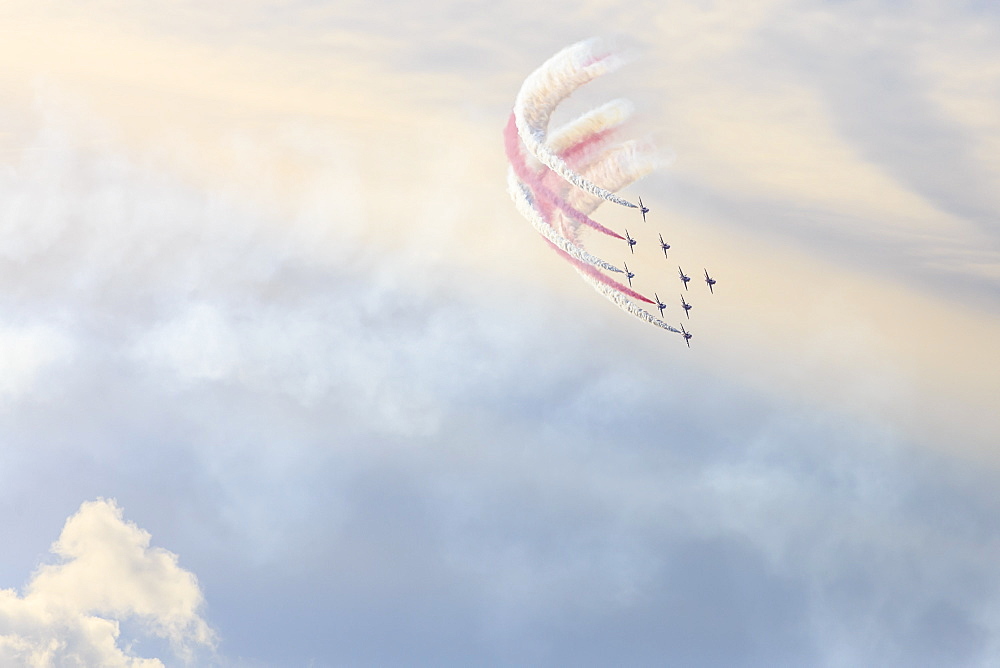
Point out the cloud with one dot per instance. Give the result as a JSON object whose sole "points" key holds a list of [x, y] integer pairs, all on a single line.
{"points": [[25, 352], [107, 573], [343, 378]]}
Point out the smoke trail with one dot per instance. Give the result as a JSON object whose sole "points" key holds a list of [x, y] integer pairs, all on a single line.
{"points": [[525, 175], [578, 154], [523, 200], [617, 167], [573, 137], [542, 92], [588, 271]]}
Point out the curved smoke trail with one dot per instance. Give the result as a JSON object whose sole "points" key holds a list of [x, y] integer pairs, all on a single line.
{"points": [[549, 85], [578, 154]]}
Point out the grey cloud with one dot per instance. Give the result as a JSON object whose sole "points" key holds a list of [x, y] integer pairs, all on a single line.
{"points": [[870, 65], [565, 496], [870, 78], [536, 536]]}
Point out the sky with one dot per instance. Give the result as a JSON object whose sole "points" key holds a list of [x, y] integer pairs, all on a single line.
{"points": [[286, 380]]}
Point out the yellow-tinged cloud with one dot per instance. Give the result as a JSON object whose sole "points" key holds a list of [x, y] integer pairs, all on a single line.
{"points": [[860, 341], [108, 572], [339, 146]]}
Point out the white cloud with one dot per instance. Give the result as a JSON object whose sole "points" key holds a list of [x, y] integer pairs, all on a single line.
{"points": [[198, 345], [24, 353], [70, 612]]}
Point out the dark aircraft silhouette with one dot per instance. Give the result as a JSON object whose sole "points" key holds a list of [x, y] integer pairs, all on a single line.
{"points": [[684, 279], [644, 209], [660, 305], [629, 275], [687, 336], [710, 281], [665, 246], [686, 307], [631, 242]]}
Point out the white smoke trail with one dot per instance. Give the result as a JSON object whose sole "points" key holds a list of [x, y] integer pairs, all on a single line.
{"points": [[618, 167], [542, 92], [576, 142], [602, 119], [583, 141], [525, 206], [626, 304], [522, 201]]}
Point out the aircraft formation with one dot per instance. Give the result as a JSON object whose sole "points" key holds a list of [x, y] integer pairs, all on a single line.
{"points": [[684, 278], [558, 178]]}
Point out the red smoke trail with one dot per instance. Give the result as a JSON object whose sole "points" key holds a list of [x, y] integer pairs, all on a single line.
{"points": [[556, 210], [576, 152], [595, 273], [512, 145], [576, 155]]}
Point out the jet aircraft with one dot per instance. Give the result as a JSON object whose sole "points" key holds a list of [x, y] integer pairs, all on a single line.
{"points": [[629, 275], [631, 241], [644, 209], [687, 336], [684, 279], [710, 281], [686, 307], [664, 246], [660, 305]]}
